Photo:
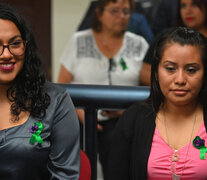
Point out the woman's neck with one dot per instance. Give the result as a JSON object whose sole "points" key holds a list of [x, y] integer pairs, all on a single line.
{"points": [[180, 111], [108, 44], [109, 34]]}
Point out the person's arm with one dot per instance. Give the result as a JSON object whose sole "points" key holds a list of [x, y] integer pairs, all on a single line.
{"points": [[68, 61], [112, 114], [64, 157], [145, 74], [64, 75]]}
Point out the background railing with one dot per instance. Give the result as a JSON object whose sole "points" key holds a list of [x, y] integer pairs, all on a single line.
{"points": [[94, 97]]}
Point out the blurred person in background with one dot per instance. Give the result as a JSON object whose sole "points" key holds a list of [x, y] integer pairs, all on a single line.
{"points": [[190, 13], [137, 22], [106, 54], [193, 14], [160, 14], [165, 17]]}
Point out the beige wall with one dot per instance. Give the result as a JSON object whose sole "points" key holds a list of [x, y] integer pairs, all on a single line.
{"points": [[66, 16]]}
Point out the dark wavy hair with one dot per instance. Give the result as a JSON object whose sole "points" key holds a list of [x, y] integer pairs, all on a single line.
{"points": [[201, 4], [100, 5], [182, 36], [27, 90]]}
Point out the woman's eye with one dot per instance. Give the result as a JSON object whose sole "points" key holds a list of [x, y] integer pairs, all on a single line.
{"points": [[191, 70], [170, 68], [16, 43], [194, 5], [114, 11], [182, 5]]}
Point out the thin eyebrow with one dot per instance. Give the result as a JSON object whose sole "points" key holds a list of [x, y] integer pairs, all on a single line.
{"points": [[13, 38], [190, 64], [168, 61]]}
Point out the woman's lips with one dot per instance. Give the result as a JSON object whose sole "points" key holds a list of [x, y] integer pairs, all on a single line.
{"points": [[180, 92], [7, 66], [190, 19]]}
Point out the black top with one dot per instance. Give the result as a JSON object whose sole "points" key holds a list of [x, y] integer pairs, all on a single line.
{"points": [[58, 157], [131, 144]]}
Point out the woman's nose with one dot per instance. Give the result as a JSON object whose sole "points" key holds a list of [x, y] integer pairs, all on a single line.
{"points": [[180, 78], [188, 9], [6, 53]]}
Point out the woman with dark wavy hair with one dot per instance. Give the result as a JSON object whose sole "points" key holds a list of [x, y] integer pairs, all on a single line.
{"points": [[39, 130], [164, 137]]}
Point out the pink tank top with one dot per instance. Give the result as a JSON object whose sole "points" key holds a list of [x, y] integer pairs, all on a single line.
{"points": [[160, 163]]}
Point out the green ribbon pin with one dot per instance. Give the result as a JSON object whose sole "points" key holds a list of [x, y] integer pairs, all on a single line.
{"points": [[36, 130], [123, 64], [200, 144]]}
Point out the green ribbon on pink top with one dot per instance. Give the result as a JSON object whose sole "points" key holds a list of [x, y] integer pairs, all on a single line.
{"points": [[200, 144]]}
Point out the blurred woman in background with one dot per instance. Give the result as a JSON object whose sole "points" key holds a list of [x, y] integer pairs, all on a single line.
{"points": [[192, 13], [105, 55]]}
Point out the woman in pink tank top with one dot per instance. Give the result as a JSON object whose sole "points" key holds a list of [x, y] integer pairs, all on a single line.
{"points": [[164, 136]]}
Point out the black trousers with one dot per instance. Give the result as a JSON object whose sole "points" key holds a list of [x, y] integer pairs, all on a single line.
{"points": [[104, 141]]}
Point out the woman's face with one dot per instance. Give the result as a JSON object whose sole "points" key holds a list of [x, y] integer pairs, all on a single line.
{"points": [[180, 74], [192, 16], [115, 16], [10, 65]]}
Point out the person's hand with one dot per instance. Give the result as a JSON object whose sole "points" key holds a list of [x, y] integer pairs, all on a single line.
{"points": [[99, 127], [112, 114], [109, 114]]}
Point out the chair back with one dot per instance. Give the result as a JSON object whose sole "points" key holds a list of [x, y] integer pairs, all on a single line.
{"points": [[85, 167]]}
